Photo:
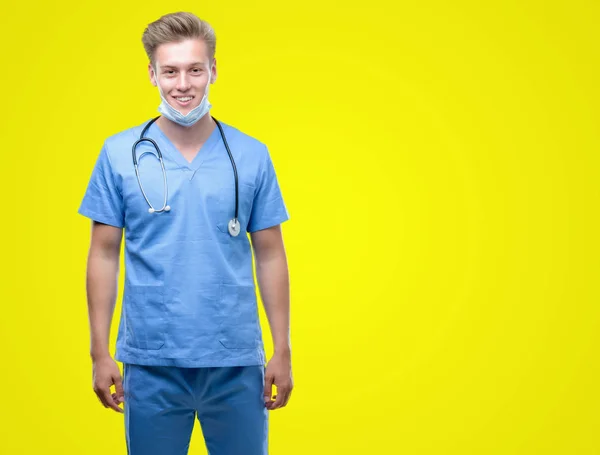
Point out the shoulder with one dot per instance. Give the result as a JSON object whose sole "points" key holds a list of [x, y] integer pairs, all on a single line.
{"points": [[249, 152], [125, 137], [244, 141], [118, 146]]}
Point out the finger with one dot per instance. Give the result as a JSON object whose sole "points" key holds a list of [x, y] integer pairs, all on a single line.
{"points": [[287, 398], [100, 395], [268, 389], [119, 388], [274, 395], [107, 399], [271, 402], [281, 392], [286, 391], [100, 399], [116, 399]]}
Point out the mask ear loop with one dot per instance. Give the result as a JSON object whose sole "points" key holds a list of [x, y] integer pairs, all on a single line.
{"points": [[207, 84]]}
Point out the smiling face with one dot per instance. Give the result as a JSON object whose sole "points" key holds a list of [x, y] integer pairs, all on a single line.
{"points": [[183, 70]]}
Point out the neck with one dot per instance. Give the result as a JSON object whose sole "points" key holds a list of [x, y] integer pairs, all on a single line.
{"points": [[198, 133]]}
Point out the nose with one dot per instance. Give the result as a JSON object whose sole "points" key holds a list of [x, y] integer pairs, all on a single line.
{"points": [[183, 83]]}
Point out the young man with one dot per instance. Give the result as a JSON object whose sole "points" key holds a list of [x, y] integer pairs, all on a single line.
{"points": [[189, 336]]}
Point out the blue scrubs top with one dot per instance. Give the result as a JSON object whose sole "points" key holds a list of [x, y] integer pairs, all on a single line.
{"points": [[189, 298]]}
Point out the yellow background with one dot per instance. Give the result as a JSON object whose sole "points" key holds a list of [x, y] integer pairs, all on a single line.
{"points": [[440, 164]]}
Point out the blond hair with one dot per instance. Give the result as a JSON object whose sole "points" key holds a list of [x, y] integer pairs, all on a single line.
{"points": [[176, 27]]}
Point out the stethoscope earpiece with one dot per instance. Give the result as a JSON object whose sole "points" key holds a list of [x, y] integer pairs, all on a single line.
{"points": [[233, 225]]}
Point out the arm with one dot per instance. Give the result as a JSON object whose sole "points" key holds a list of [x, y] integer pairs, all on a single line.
{"points": [[273, 281], [101, 283]]}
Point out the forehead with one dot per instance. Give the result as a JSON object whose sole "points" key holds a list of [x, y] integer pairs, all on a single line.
{"points": [[182, 53]]}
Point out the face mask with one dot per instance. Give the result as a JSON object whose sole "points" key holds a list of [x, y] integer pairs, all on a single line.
{"points": [[191, 117]]}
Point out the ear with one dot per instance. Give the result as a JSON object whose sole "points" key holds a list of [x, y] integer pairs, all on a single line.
{"points": [[213, 76], [151, 74]]}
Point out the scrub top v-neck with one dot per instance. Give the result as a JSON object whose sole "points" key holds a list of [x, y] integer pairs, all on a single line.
{"points": [[189, 296], [166, 146]]}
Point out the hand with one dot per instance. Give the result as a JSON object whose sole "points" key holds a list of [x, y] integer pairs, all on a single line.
{"points": [[278, 372], [106, 373]]}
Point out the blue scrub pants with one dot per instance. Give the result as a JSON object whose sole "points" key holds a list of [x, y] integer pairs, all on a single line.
{"points": [[161, 404]]}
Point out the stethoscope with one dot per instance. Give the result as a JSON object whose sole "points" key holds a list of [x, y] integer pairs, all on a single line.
{"points": [[233, 226]]}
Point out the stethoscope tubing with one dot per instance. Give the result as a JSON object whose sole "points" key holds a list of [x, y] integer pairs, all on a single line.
{"points": [[165, 207]]}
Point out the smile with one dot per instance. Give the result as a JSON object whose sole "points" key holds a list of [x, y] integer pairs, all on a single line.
{"points": [[183, 100]]}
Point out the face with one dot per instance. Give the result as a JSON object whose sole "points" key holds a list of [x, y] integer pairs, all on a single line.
{"points": [[183, 72]]}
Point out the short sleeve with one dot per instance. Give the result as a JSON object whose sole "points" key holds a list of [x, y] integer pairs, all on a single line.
{"points": [[102, 201], [268, 208]]}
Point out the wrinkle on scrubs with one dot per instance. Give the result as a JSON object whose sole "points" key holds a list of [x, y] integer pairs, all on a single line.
{"points": [[189, 298]]}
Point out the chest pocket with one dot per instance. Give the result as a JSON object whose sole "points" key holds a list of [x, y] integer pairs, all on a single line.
{"points": [[226, 208]]}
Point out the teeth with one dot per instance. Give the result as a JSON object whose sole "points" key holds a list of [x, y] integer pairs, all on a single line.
{"points": [[187, 98]]}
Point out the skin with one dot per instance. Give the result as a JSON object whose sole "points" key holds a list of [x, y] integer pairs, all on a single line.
{"points": [[182, 69]]}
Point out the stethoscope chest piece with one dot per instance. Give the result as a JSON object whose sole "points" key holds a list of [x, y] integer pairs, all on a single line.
{"points": [[234, 227]]}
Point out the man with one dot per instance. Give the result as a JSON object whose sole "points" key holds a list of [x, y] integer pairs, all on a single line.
{"points": [[189, 336]]}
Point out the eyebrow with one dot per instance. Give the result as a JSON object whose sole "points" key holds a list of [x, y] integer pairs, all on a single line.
{"points": [[191, 64]]}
